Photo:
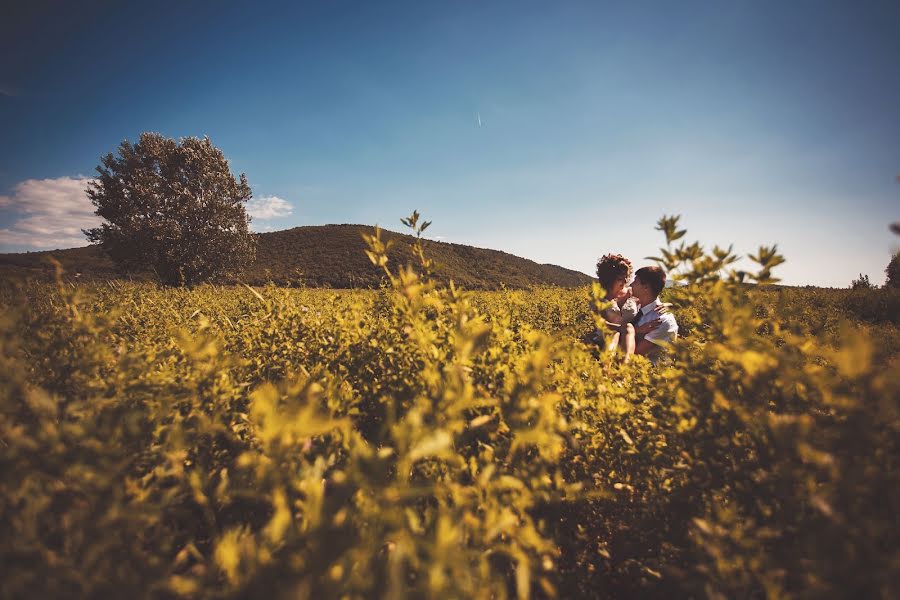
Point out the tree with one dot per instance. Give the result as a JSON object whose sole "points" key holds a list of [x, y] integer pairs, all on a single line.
{"points": [[172, 206], [862, 283], [893, 272]]}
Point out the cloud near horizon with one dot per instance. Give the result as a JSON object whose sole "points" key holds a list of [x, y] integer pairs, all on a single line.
{"points": [[268, 207], [51, 214]]}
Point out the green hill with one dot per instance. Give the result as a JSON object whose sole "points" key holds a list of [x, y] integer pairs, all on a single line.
{"points": [[329, 256]]}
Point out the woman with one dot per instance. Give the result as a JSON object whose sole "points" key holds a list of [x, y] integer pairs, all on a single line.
{"points": [[614, 272]]}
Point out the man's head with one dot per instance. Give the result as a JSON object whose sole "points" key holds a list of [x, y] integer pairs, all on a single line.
{"points": [[648, 283]]}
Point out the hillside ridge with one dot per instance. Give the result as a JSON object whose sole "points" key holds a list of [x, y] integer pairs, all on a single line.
{"points": [[331, 256]]}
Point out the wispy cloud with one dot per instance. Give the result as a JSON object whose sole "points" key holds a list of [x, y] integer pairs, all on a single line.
{"points": [[48, 214], [10, 91], [269, 207]]}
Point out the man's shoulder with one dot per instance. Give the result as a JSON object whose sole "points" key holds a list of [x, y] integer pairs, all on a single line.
{"points": [[667, 317], [667, 329]]}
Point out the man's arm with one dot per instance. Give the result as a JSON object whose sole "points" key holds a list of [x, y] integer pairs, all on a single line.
{"points": [[645, 347], [665, 333], [659, 337]]}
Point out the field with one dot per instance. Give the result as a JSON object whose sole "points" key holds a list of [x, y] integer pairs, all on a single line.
{"points": [[422, 441]]}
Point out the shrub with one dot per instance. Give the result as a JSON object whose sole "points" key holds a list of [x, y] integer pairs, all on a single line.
{"points": [[424, 441], [862, 283]]}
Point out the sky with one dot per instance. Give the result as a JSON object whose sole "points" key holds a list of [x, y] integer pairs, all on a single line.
{"points": [[554, 131]]}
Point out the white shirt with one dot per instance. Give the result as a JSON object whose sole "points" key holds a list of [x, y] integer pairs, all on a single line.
{"points": [[667, 331]]}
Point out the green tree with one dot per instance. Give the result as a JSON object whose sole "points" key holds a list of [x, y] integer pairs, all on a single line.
{"points": [[172, 206]]}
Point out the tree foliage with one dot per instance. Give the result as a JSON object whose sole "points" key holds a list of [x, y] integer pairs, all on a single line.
{"points": [[862, 283], [174, 207], [893, 272]]}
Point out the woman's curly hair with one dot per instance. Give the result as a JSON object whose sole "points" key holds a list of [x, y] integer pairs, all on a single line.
{"points": [[611, 267]]}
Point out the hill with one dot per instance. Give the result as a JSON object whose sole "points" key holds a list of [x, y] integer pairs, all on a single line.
{"points": [[330, 256]]}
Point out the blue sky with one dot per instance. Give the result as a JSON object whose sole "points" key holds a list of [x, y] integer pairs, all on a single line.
{"points": [[554, 131]]}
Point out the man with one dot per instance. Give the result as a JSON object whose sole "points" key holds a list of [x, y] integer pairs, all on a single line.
{"points": [[647, 285]]}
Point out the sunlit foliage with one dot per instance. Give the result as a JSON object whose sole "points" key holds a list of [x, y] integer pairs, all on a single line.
{"points": [[424, 441]]}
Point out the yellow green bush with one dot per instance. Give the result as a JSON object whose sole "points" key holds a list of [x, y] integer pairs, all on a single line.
{"points": [[424, 441]]}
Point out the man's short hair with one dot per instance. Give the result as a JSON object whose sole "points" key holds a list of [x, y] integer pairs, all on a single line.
{"points": [[652, 277]]}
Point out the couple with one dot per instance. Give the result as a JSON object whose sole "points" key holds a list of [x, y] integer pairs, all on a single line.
{"points": [[642, 324]]}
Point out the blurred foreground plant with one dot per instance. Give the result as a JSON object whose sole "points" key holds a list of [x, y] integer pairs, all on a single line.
{"points": [[425, 441]]}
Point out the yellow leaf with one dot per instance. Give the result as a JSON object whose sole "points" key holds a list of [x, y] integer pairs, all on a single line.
{"points": [[437, 444], [227, 555], [854, 358], [523, 579], [281, 518], [755, 362], [183, 586]]}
